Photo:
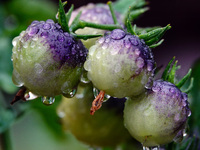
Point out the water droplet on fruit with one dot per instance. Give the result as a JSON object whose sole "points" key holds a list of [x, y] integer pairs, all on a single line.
{"points": [[134, 41], [101, 40], [105, 46], [96, 93], [98, 55], [46, 26], [189, 113], [179, 137], [17, 79], [151, 148], [32, 31], [44, 34], [140, 62], [48, 100], [156, 88], [117, 34], [30, 96], [87, 65], [14, 41], [61, 114], [84, 77], [69, 93], [38, 68]]}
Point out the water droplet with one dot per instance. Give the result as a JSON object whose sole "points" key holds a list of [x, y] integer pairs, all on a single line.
{"points": [[140, 62], [105, 46], [113, 51], [107, 40], [35, 38], [32, 31], [14, 41], [49, 21], [69, 93], [150, 66], [61, 38], [156, 88], [96, 93], [98, 55], [189, 113], [25, 44], [48, 100], [151, 148], [17, 79], [46, 26], [84, 77], [44, 34], [179, 137], [30, 96], [87, 65], [117, 34], [101, 40], [134, 41], [38, 68]]}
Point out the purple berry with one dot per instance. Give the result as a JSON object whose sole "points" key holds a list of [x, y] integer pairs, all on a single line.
{"points": [[99, 14], [158, 117], [46, 60], [120, 64]]}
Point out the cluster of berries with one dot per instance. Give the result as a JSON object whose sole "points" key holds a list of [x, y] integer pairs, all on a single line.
{"points": [[49, 59]]}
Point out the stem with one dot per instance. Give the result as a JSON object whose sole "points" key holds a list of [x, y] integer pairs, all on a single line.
{"points": [[6, 140], [82, 24], [112, 13]]}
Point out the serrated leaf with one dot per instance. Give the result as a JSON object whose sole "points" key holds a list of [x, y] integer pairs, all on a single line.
{"points": [[61, 17], [172, 73], [184, 79], [68, 14], [165, 73], [157, 44]]}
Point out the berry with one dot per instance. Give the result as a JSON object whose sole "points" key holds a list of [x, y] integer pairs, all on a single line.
{"points": [[159, 116], [46, 60], [104, 129], [120, 64], [99, 14]]}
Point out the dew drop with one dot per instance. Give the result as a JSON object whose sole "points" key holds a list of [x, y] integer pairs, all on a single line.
{"points": [[156, 88], [30, 96], [189, 113], [117, 34], [32, 31], [96, 93], [61, 114], [87, 65], [44, 34], [69, 93], [14, 41], [101, 40], [151, 148], [38, 68], [25, 44], [17, 79], [84, 77], [98, 55], [140, 62], [46, 26], [48, 100], [134, 41], [105, 46], [179, 137]]}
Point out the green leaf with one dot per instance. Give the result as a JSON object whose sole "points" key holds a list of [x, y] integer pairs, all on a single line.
{"points": [[188, 90], [184, 79], [68, 14], [157, 44], [154, 35], [172, 73], [75, 23], [61, 17], [85, 37], [129, 26], [136, 13], [166, 71]]}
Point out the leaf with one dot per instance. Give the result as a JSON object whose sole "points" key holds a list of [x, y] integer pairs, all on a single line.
{"points": [[166, 71], [61, 17], [172, 73], [184, 79]]}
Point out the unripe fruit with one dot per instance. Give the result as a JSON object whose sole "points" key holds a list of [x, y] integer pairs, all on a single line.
{"points": [[46, 60], [159, 116], [120, 64], [99, 14], [104, 129]]}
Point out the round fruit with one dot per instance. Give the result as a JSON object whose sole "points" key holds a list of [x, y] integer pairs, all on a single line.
{"points": [[120, 64], [159, 116], [104, 129], [46, 60], [99, 14]]}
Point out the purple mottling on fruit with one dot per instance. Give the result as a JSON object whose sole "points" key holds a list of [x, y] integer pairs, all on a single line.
{"points": [[95, 13], [168, 98], [64, 48], [135, 47]]}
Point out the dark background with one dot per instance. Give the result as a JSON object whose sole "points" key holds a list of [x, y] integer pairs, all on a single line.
{"points": [[182, 40]]}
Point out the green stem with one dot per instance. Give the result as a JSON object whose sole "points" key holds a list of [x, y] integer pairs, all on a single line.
{"points": [[82, 24], [6, 140], [113, 13]]}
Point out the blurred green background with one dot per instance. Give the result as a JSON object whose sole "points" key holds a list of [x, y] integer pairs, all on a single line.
{"points": [[33, 125]]}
